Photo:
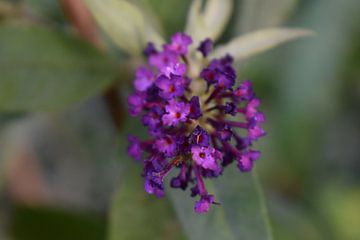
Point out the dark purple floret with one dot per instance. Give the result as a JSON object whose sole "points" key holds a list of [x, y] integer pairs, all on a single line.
{"points": [[205, 47], [199, 137], [195, 111], [166, 145], [150, 49], [183, 179], [170, 87], [196, 122]]}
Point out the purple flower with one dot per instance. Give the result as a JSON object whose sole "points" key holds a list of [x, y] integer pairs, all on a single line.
{"points": [[199, 137], [188, 119], [134, 150], [244, 91], [255, 133], [205, 157], [144, 79], [245, 160], [183, 179], [152, 119], [150, 49], [136, 102], [166, 145], [176, 112], [203, 205], [205, 47], [195, 111], [179, 43], [170, 87]]}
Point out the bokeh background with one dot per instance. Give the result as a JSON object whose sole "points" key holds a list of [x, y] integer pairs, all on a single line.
{"points": [[60, 171]]}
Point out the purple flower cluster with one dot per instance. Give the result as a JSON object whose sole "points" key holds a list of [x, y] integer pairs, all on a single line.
{"points": [[198, 124]]}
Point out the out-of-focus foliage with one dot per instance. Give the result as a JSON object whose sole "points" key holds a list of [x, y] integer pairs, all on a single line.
{"points": [[242, 213], [209, 20], [257, 42], [46, 70], [128, 24]]}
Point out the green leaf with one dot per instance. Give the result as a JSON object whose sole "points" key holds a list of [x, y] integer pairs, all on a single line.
{"points": [[212, 225], [216, 16], [129, 25], [46, 70], [241, 215], [253, 43], [210, 21], [244, 204]]}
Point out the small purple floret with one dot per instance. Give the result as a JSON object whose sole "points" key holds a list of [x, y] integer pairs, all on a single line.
{"points": [[205, 47], [175, 112], [203, 205]]}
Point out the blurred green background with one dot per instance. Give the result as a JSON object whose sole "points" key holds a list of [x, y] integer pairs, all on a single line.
{"points": [[59, 170]]}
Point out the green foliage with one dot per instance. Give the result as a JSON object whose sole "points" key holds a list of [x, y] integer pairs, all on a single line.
{"points": [[128, 24], [172, 21], [241, 215], [46, 70], [248, 45], [30, 223]]}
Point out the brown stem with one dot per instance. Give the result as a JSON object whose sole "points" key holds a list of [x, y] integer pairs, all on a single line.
{"points": [[83, 22], [114, 106], [81, 19]]}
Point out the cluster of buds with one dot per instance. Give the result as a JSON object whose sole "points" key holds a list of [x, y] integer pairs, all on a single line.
{"points": [[197, 120]]}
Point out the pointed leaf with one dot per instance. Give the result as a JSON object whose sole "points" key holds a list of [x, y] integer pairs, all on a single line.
{"points": [[216, 16], [46, 70], [209, 22], [250, 44], [126, 23], [241, 215]]}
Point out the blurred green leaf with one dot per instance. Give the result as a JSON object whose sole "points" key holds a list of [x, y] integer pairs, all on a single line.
{"points": [[172, 21], [45, 9], [45, 70], [244, 204], [241, 215], [257, 14], [253, 43], [209, 21], [210, 226], [339, 205], [292, 221], [128, 24]]}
